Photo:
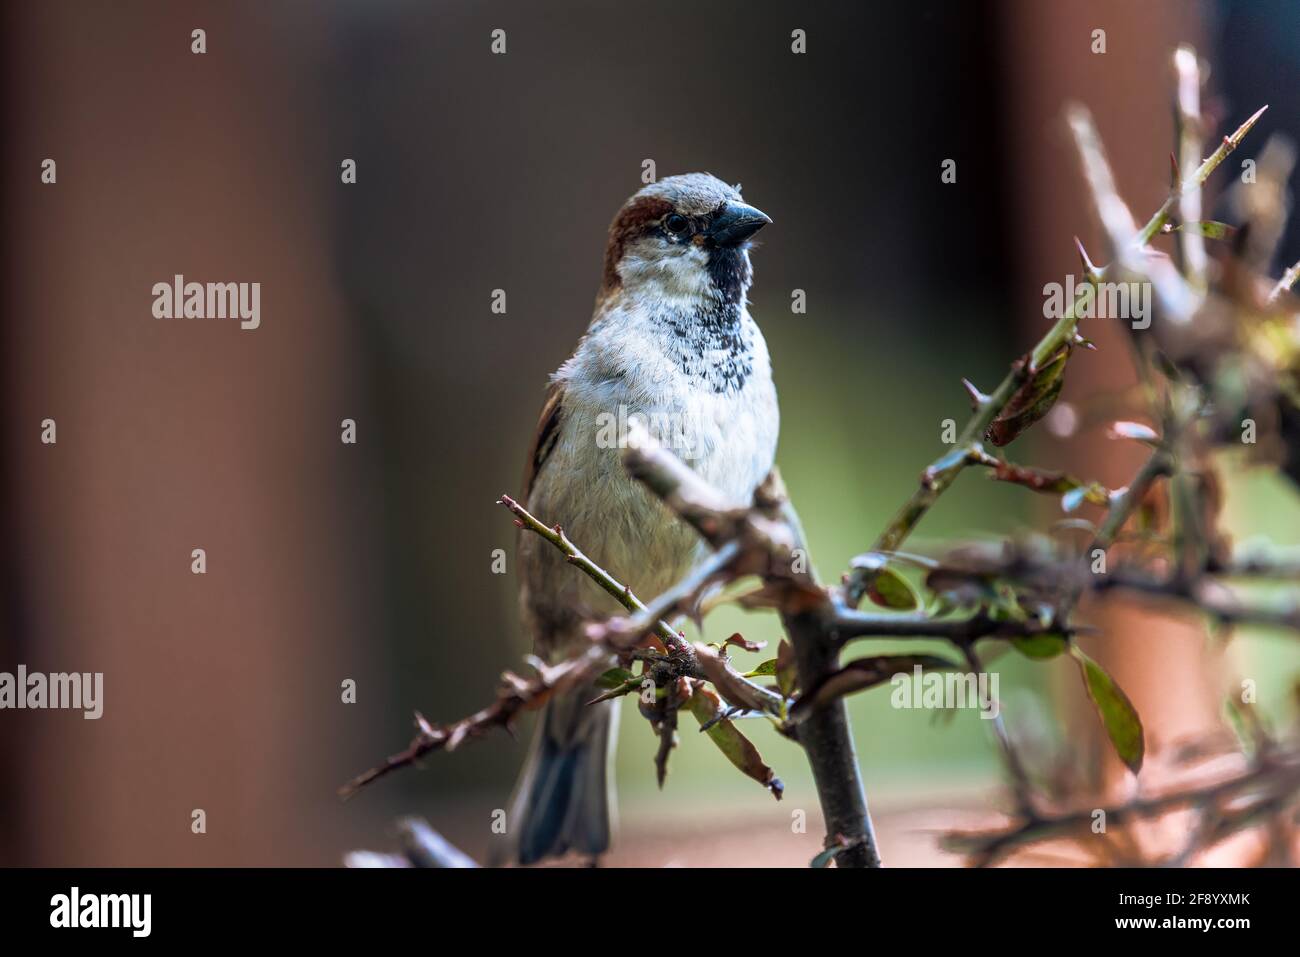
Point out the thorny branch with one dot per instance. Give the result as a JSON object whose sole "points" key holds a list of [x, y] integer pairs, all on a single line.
{"points": [[770, 543], [1024, 593], [516, 695], [1266, 785], [421, 847], [939, 476], [1194, 308]]}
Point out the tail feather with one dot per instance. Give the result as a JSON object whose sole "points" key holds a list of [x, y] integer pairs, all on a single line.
{"points": [[564, 796]]}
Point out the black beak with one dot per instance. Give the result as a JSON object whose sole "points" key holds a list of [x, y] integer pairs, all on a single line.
{"points": [[736, 223]]}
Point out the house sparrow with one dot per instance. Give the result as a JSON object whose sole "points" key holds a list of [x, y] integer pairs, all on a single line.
{"points": [[671, 345]]}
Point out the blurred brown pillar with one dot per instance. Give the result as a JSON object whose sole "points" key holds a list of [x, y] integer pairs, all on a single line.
{"points": [[1048, 61], [222, 690]]}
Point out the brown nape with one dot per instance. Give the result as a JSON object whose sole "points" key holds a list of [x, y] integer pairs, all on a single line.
{"points": [[633, 220]]}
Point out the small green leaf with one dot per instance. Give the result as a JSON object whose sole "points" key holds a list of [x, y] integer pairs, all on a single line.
{"points": [[885, 586], [615, 677], [765, 670], [739, 750], [825, 857], [1040, 647], [891, 590], [1031, 401], [1118, 715]]}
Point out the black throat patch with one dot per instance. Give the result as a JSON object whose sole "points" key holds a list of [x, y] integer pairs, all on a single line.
{"points": [[711, 343], [730, 272]]}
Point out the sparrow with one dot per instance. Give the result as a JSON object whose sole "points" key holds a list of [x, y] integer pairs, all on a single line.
{"points": [[671, 345]]}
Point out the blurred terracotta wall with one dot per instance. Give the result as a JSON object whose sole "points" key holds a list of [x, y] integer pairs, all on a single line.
{"points": [[221, 690]]}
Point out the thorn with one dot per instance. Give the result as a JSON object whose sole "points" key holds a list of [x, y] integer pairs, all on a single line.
{"points": [[519, 523], [1237, 137], [977, 398], [1088, 267], [1173, 166]]}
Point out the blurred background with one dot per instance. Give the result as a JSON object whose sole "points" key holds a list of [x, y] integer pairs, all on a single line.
{"points": [[373, 562]]}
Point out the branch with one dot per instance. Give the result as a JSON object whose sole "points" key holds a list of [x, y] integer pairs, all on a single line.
{"points": [[1276, 775], [768, 535], [1285, 283], [623, 635], [422, 846], [1047, 481], [1125, 502], [680, 598], [1191, 242], [665, 632], [850, 623], [514, 696], [1206, 595], [610, 641], [940, 475], [1022, 789], [1264, 563]]}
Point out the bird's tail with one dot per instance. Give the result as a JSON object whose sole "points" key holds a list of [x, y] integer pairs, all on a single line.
{"points": [[564, 798]]}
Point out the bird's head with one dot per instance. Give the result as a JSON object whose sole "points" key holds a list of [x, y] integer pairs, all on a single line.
{"points": [[683, 239]]}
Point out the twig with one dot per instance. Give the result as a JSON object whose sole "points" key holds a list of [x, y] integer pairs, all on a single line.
{"points": [[1205, 595], [1278, 775], [514, 696], [422, 846], [678, 599], [1191, 242], [850, 623], [1126, 502], [1285, 283], [1019, 776], [665, 632]]}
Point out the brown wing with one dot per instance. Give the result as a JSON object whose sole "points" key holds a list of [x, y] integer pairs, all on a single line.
{"points": [[548, 430]]}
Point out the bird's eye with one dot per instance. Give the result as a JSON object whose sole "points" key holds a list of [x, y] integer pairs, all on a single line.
{"points": [[676, 224]]}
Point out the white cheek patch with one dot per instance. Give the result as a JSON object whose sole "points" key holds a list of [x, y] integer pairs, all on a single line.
{"points": [[674, 274]]}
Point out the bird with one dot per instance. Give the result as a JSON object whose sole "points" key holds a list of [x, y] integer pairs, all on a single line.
{"points": [[671, 345]]}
